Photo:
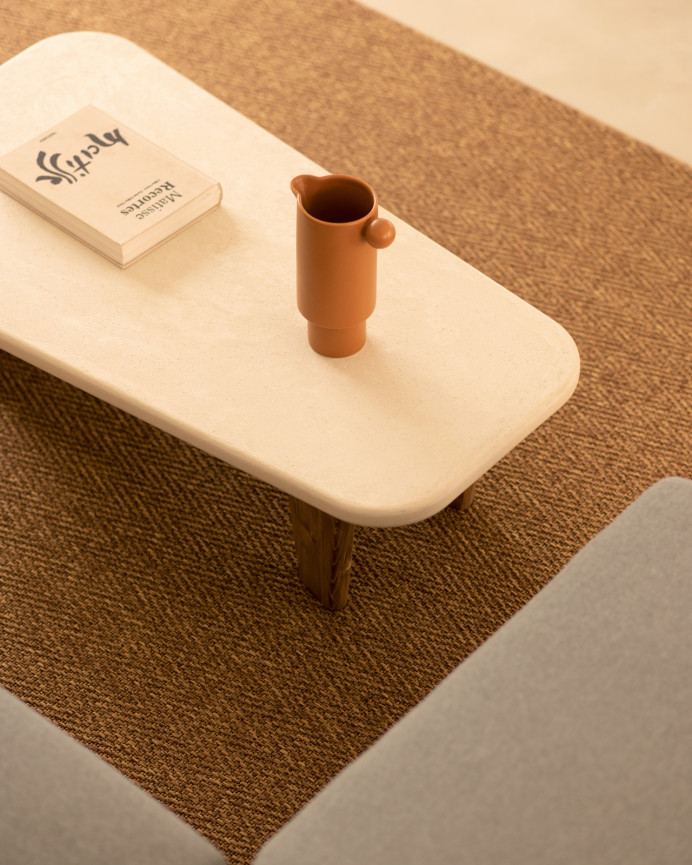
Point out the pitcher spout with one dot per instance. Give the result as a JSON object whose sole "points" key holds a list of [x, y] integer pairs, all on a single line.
{"points": [[302, 185]]}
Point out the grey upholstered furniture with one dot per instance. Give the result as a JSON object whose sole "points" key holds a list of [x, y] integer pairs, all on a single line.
{"points": [[60, 804], [565, 738]]}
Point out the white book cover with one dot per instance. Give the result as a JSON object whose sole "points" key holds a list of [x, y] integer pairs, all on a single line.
{"points": [[107, 185]]}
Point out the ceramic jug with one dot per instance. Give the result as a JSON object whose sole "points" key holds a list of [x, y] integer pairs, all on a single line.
{"points": [[338, 234]]}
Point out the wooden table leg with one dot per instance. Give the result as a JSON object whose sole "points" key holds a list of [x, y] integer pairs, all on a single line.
{"points": [[465, 500], [324, 546]]}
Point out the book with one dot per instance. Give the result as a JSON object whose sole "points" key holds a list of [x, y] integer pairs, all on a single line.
{"points": [[107, 185]]}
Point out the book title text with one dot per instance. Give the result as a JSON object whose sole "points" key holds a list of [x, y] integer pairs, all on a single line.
{"points": [[58, 170]]}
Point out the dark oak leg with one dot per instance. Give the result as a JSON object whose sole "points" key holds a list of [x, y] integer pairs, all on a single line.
{"points": [[324, 546], [465, 500]]}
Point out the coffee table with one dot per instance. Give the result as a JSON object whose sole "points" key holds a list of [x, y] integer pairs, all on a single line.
{"points": [[203, 338]]}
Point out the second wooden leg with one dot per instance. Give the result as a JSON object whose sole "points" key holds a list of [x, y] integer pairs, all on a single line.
{"points": [[465, 500], [324, 546]]}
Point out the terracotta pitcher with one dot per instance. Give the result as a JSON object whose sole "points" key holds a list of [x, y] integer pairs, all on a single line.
{"points": [[338, 234]]}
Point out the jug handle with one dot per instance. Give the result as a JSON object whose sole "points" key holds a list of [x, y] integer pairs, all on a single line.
{"points": [[379, 233]]}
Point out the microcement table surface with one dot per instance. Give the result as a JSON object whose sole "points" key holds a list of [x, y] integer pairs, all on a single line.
{"points": [[202, 337]]}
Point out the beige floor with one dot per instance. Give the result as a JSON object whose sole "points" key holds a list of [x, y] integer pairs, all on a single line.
{"points": [[626, 62]]}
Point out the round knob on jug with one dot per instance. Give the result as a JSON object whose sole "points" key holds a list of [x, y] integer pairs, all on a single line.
{"points": [[379, 233]]}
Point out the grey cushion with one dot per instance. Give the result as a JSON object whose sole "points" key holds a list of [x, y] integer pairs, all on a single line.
{"points": [[60, 804], [565, 738]]}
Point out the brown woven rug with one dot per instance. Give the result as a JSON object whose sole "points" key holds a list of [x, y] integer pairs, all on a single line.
{"points": [[149, 597]]}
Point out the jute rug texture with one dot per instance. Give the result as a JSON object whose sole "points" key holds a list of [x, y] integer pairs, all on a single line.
{"points": [[149, 596]]}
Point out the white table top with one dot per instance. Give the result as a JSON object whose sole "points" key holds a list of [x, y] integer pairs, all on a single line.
{"points": [[203, 338]]}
